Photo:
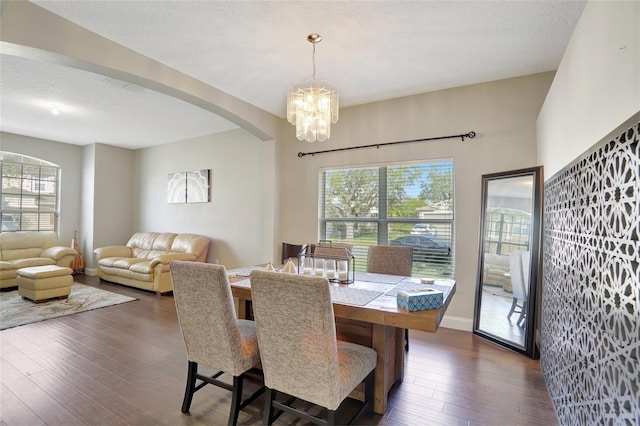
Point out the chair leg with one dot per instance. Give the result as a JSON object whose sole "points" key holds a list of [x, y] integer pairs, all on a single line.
{"points": [[514, 303], [192, 372], [406, 340], [331, 417], [368, 394], [523, 315], [236, 399], [267, 419]]}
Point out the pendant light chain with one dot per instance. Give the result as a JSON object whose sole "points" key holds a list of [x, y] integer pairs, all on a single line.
{"points": [[313, 61]]}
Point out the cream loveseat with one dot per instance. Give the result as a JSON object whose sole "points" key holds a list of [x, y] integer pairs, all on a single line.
{"points": [[23, 249], [144, 261], [495, 268]]}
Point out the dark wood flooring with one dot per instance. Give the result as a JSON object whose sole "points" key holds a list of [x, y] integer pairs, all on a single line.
{"points": [[126, 365]]}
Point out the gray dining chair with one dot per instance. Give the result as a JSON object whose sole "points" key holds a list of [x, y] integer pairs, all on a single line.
{"points": [[291, 251], [331, 249], [518, 263], [391, 260], [213, 336], [301, 356]]}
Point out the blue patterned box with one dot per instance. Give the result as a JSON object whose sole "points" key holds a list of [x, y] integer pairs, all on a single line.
{"points": [[420, 300]]}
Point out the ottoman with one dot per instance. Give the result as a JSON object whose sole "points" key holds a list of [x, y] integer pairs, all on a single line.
{"points": [[41, 283]]}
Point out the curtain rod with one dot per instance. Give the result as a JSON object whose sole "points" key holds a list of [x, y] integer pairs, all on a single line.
{"points": [[469, 135]]}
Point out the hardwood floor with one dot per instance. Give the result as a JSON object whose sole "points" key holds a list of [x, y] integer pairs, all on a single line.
{"points": [[126, 365]]}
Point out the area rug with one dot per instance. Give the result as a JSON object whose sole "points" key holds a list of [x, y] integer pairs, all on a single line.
{"points": [[15, 311]]}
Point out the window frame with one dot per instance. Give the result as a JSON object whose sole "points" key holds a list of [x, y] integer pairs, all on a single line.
{"points": [[381, 219]]}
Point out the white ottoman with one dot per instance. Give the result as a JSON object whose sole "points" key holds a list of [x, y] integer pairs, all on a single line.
{"points": [[41, 283]]}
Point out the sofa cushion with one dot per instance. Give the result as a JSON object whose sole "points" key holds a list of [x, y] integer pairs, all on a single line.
{"points": [[127, 262], [34, 261], [143, 267], [154, 254], [143, 240], [109, 261], [148, 245], [7, 266], [191, 243]]}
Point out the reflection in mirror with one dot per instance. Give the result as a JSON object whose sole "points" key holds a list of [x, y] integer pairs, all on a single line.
{"points": [[509, 244]]}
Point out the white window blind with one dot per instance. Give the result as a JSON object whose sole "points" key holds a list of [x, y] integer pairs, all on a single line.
{"points": [[402, 204], [29, 193]]}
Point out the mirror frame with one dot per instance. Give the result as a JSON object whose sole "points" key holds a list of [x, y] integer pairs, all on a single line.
{"points": [[535, 238]]}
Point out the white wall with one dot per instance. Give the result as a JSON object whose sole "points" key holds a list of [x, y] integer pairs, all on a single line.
{"points": [[69, 158], [597, 86], [502, 113], [113, 183], [239, 218], [87, 209]]}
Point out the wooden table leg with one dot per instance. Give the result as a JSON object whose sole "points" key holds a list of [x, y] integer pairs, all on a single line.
{"points": [[380, 376], [384, 342], [399, 355], [242, 308]]}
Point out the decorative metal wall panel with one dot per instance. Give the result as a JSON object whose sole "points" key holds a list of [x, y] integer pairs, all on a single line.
{"points": [[590, 328]]}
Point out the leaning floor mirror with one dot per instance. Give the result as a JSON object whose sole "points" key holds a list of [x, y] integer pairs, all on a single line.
{"points": [[509, 258]]}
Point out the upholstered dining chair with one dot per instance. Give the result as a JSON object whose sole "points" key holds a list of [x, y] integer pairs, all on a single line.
{"points": [[333, 249], [391, 260], [291, 251], [213, 336], [301, 356], [518, 261]]}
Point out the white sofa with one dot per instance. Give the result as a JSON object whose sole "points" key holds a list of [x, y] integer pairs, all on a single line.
{"points": [[144, 261], [23, 249]]}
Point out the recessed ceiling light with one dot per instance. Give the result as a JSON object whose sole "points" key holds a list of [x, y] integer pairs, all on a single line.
{"points": [[55, 110]]}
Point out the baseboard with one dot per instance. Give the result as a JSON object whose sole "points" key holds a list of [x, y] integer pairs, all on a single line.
{"points": [[91, 272], [457, 323]]}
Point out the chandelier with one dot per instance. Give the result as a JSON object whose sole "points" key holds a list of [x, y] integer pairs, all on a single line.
{"points": [[313, 105]]}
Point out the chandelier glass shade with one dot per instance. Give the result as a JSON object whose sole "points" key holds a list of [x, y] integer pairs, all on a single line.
{"points": [[312, 106]]}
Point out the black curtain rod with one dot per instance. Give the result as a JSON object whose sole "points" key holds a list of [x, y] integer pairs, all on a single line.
{"points": [[469, 135]]}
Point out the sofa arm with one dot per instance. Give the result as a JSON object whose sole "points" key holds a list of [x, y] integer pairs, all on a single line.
{"points": [[166, 258], [58, 252], [113, 251]]}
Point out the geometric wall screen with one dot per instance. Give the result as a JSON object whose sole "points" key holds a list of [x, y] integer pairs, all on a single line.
{"points": [[189, 187], [590, 330]]}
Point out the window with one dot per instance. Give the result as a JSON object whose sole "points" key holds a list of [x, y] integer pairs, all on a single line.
{"points": [[508, 230], [403, 204], [29, 193]]}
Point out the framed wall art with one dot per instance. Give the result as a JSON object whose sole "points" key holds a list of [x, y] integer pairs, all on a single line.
{"points": [[189, 187]]}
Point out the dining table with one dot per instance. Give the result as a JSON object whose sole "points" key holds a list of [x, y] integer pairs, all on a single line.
{"points": [[366, 312]]}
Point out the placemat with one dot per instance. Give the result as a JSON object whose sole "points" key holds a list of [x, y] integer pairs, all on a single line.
{"points": [[353, 296], [378, 278], [245, 271]]}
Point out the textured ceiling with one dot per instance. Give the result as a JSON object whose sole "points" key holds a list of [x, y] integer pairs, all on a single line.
{"points": [[254, 50]]}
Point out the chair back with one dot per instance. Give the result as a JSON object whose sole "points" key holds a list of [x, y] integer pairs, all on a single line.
{"points": [[291, 251], [517, 275], [297, 336], [332, 249], [526, 269], [207, 315], [391, 260]]}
